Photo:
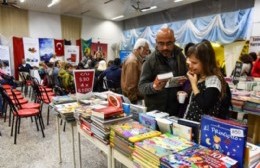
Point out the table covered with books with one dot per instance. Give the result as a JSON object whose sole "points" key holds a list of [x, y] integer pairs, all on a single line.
{"points": [[153, 139]]}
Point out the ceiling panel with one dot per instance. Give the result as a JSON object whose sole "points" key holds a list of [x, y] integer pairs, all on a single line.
{"points": [[99, 8]]}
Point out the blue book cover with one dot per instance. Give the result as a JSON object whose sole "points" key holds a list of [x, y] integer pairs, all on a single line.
{"points": [[225, 136]]}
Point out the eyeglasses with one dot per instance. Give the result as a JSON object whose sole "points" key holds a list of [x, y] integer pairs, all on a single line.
{"points": [[167, 44]]}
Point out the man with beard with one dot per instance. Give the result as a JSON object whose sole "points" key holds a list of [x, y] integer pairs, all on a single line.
{"points": [[166, 58]]}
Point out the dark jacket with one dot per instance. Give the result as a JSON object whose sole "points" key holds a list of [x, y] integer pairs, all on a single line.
{"points": [[113, 75], [166, 99]]}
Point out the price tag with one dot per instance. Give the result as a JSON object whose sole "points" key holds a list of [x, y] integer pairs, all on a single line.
{"points": [[236, 132]]}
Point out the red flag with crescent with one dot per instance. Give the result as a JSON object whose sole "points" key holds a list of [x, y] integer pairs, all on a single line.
{"points": [[59, 47]]}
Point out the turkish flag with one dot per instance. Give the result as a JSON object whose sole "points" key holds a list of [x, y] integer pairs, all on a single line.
{"points": [[59, 47]]}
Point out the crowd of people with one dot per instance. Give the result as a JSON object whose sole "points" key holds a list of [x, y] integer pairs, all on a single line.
{"points": [[137, 77]]}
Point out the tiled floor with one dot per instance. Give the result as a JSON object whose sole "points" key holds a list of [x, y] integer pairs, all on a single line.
{"points": [[34, 151]]}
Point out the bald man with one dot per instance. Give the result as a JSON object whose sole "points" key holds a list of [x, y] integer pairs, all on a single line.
{"points": [[166, 58]]}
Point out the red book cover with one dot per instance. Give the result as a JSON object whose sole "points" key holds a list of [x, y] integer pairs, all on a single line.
{"points": [[107, 112]]}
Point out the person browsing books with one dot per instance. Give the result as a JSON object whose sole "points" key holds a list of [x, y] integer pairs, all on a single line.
{"points": [[131, 71], [210, 93], [166, 58]]}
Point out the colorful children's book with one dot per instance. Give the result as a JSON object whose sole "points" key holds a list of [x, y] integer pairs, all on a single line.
{"points": [[134, 131], [182, 131], [197, 157], [225, 136]]}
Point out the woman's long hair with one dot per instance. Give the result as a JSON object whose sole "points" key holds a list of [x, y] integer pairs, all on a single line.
{"points": [[205, 53]]}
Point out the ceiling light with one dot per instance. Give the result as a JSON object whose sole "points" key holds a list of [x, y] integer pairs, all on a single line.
{"points": [[178, 0], [151, 8], [118, 17], [53, 2], [22, 1]]}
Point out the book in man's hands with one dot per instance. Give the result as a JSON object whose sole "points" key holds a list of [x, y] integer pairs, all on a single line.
{"points": [[165, 76]]}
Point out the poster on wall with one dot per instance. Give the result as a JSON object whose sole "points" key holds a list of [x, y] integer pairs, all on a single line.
{"points": [[31, 51], [71, 54], [5, 59], [99, 47], [84, 82], [46, 48], [254, 44]]}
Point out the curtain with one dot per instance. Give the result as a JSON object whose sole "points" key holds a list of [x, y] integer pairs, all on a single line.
{"points": [[71, 27], [14, 22], [223, 28], [18, 54]]}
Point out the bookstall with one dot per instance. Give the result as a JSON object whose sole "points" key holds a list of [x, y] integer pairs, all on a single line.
{"points": [[102, 121]]}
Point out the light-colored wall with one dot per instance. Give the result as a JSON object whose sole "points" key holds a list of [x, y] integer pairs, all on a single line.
{"points": [[43, 25], [103, 31]]}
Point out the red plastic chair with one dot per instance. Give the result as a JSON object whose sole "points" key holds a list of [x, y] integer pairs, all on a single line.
{"points": [[19, 113]]}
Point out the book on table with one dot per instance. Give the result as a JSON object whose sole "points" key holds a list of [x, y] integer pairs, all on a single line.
{"points": [[195, 128], [107, 112], [225, 136]]}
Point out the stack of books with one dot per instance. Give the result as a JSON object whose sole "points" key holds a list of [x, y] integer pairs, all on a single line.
{"points": [[102, 118], [252, 105], [149, 119], [226, 136], [67, 110], [124, 135], [252, 155], [149, 152], [196, 157], [63, 99]]}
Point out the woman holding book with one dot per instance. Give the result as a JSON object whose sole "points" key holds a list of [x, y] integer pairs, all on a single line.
{"points": [[210, 93]]}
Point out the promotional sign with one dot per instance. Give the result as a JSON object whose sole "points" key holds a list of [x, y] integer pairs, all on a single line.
{"points": [[72, 54], [31, 51], [254, 45], [5, 59], [84, 81]]}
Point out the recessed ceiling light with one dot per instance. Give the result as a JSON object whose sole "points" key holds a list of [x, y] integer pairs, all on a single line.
{"points": [[53, 2], [118, 17], [151, 8], [178, 0], [22, 1]]}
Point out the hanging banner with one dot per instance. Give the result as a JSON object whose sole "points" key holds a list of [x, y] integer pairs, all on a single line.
{"points": [[46, 48], [86, 46], [59, 47], [31, 51], [71, 54], [84, 82], [254, 44], [99, 47], [5, 59]]}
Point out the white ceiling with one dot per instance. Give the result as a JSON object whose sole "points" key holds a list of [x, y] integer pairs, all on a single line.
{"points": [[98, 8]]}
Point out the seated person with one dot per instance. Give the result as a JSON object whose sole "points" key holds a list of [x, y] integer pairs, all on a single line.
{"points": [[6, 79], [68, 79], [25, 67]]}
